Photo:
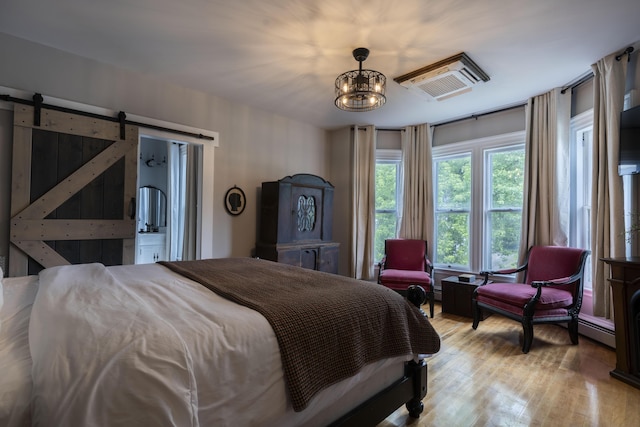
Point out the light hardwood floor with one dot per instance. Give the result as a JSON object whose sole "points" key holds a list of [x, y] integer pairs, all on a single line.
{"points": [[482, 378]]}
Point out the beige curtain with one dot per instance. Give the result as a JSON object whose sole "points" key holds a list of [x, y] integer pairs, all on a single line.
{"points": [[363, 209], [417, 201], [607, 204], [545, 209]]}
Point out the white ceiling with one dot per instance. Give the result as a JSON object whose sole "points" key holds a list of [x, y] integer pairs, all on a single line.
{"points": [[284, 55]]}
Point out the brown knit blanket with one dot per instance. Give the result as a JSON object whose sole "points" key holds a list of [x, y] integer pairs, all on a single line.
{"points": [[328, 326]]}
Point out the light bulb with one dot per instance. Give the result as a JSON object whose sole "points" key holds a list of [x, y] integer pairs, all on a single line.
{"points": [[377, 85], [345, 85]]}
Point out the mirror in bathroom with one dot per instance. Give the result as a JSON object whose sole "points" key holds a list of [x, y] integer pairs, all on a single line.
{"points": [[153, 209]]}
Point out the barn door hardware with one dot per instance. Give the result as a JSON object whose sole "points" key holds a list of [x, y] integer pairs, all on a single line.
{"points": [[122, 119], [37, 103], [37, 108]]}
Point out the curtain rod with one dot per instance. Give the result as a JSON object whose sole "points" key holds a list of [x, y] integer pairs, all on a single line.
{"points": [[9, 98], [476, 116], [580, 80], [473, 116], [627, 51], [589, 75], [382, 129]]}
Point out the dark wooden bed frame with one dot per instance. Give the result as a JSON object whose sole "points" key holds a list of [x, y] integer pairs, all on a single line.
{"points": [[408, 390]]}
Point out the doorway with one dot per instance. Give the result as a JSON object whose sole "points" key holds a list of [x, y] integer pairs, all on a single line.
{"points": [[171, 197]]}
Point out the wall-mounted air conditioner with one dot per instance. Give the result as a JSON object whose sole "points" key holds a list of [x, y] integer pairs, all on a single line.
{"points": [[444, 79]]}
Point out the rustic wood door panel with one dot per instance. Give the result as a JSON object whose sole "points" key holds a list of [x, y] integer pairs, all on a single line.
{"points": [[74, 181]]}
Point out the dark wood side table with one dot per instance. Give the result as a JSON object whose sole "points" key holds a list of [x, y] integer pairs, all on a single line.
{"points": [[456, 296], [625, 289]]}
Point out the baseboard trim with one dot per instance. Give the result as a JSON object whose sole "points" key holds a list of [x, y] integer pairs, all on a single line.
{"points": [[597, 333]]}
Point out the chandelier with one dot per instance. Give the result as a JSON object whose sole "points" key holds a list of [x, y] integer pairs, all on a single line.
{"points": [[360, 90]]}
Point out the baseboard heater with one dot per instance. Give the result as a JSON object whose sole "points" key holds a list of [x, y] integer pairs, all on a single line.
{"points": [[597, 333]]}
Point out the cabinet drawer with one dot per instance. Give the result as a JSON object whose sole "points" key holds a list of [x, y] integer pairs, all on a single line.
{"points": [[151, 239], [322, 257], [328, 259], [151, 248], [309, 258], [291, 257]]}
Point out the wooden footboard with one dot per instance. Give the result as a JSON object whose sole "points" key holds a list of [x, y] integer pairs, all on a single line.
{"points": [[408, 390]]}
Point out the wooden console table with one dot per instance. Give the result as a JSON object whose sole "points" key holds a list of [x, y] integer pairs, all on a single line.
{"points": [[625, 287]]}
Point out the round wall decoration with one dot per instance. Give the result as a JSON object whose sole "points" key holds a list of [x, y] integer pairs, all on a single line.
{"points": [[234, 201]]}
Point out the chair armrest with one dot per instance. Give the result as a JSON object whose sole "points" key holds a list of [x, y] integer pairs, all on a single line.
{"points": [[486, 274], [381, 267], [504, 271], [428, 266], [539, 284], [556, 282]]}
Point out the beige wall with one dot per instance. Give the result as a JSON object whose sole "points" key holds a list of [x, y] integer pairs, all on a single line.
{"points": [[255, 145], [341, 176]]}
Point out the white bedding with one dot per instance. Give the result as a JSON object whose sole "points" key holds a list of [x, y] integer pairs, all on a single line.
{"points": [[15, 359], [140, 345]]}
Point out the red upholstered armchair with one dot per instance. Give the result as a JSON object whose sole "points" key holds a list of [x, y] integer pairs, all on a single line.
{"points": [[405, 263], [551, 292]]}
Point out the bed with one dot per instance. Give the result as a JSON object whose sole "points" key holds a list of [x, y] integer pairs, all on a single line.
{"points": [[203, 343]]}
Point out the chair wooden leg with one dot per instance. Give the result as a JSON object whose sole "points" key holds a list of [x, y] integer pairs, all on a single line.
{"points": [[476, 314], [431, 297], [527, 328], [573, 330]]}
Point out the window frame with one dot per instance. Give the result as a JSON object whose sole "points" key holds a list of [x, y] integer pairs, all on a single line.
{"points": [[459, 155], [579, 221], [477, 231], [391, 156], [488, 202]]}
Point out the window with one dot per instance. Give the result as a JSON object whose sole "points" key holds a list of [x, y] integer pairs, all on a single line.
{"points": [[504, 186], [453, 210], [581, 170], [388, 196], [478, 203], [631, 215]]}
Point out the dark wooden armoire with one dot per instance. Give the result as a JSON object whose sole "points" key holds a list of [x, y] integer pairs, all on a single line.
{"points": [[295, 223]]}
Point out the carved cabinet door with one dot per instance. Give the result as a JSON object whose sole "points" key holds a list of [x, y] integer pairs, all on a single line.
{"points": [[306, 211]]}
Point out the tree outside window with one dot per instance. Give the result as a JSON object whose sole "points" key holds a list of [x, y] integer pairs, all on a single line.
{"points": [[387, 200], [505, 179], [452, 210]]}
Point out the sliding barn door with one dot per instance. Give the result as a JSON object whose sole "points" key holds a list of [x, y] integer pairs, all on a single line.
{"points": [[74, 182]]}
